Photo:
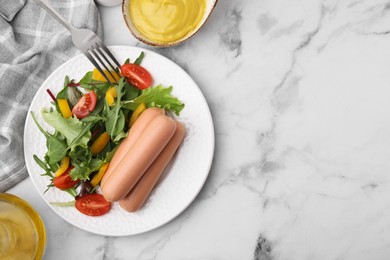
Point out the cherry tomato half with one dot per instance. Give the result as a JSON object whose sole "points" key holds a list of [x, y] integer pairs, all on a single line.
{"points": [[93, 205], [64, 181], [136, 75], [85, 105]]}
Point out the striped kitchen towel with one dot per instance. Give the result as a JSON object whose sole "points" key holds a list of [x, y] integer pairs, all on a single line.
{"points": [[32, 45]]}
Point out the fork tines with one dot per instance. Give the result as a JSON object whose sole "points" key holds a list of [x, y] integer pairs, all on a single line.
{"points": [[100, 55]]}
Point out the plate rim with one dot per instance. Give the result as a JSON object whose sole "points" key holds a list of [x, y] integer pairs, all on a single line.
{"points": [[209, 162]]}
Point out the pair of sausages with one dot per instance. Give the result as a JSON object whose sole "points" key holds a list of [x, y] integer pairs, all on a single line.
{"points": [[141, 159]]}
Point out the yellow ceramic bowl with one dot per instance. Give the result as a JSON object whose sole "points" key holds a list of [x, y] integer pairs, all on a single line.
{"points": [[134, 17], [22, 232]]}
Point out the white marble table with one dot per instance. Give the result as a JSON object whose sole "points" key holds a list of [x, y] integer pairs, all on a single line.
{"points": [[300, 95]]}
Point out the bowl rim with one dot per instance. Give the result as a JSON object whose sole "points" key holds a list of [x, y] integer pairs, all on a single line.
{"points": [[156, 44], [34, 217]]}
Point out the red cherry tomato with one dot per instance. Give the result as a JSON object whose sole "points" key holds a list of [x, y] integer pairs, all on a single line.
{"points": [[85, 105], [93, 205], [136, 75], [64, 181]]}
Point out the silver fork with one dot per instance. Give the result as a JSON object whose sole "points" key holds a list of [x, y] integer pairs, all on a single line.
{"points": [[89, 44]]}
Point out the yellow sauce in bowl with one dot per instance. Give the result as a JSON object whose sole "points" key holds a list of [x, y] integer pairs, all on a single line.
{"points": [[22, 233], [166, 21]]}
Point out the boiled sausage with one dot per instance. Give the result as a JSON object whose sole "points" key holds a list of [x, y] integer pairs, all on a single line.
{"points": [[138, 195], [139, 157], [134, 134]]}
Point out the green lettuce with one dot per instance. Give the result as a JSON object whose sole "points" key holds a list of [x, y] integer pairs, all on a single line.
{"points": [[56, 147], [157, 96], [71, 128]]}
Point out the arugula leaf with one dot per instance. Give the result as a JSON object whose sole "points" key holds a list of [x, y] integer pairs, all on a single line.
{"points": [[43, 166], [56, 149], [140, 58], [71, 128], [156, 97], [81, 135], [64, 92], [52, 166], [131, 92], [115, 122], [99, 107], [115, 118], [87, 82], [87, 78], [48, 171], [46, 134], [93, 119], [41, 163]]}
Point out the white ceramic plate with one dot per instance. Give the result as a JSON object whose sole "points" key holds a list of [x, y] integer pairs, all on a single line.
{"points": [[181, 182]]}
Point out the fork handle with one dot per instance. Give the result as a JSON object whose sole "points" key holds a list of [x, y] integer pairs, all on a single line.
{"points": [[45, 5]]}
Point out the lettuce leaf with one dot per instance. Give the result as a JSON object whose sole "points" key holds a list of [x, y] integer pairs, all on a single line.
{"points": [[157, 96], [56, 147], [71, 128]]}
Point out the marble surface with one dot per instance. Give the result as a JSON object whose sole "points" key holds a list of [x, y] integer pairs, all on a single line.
{"points": [[299, 91]]}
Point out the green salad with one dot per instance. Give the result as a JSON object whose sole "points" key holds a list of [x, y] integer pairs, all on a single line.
{"points": [[90, 118]]}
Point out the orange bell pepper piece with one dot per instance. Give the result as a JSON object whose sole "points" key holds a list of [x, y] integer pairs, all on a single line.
{"points": [[100, 143], [98, 177], [96, 75], [138, 111], [63, 166], [111, 95], [64, 108]]}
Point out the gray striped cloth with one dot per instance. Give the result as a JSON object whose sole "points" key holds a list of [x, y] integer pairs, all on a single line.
{"points": [[32, 45]]}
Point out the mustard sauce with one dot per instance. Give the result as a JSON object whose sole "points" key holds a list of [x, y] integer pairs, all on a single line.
{"points": [[166, 21]]}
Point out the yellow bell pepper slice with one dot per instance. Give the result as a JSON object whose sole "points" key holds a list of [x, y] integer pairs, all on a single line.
{"points": [[98, 177], [96, 75], [138, 111], [64, 108], [111, 95], [64, 165], [100, 143]]}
